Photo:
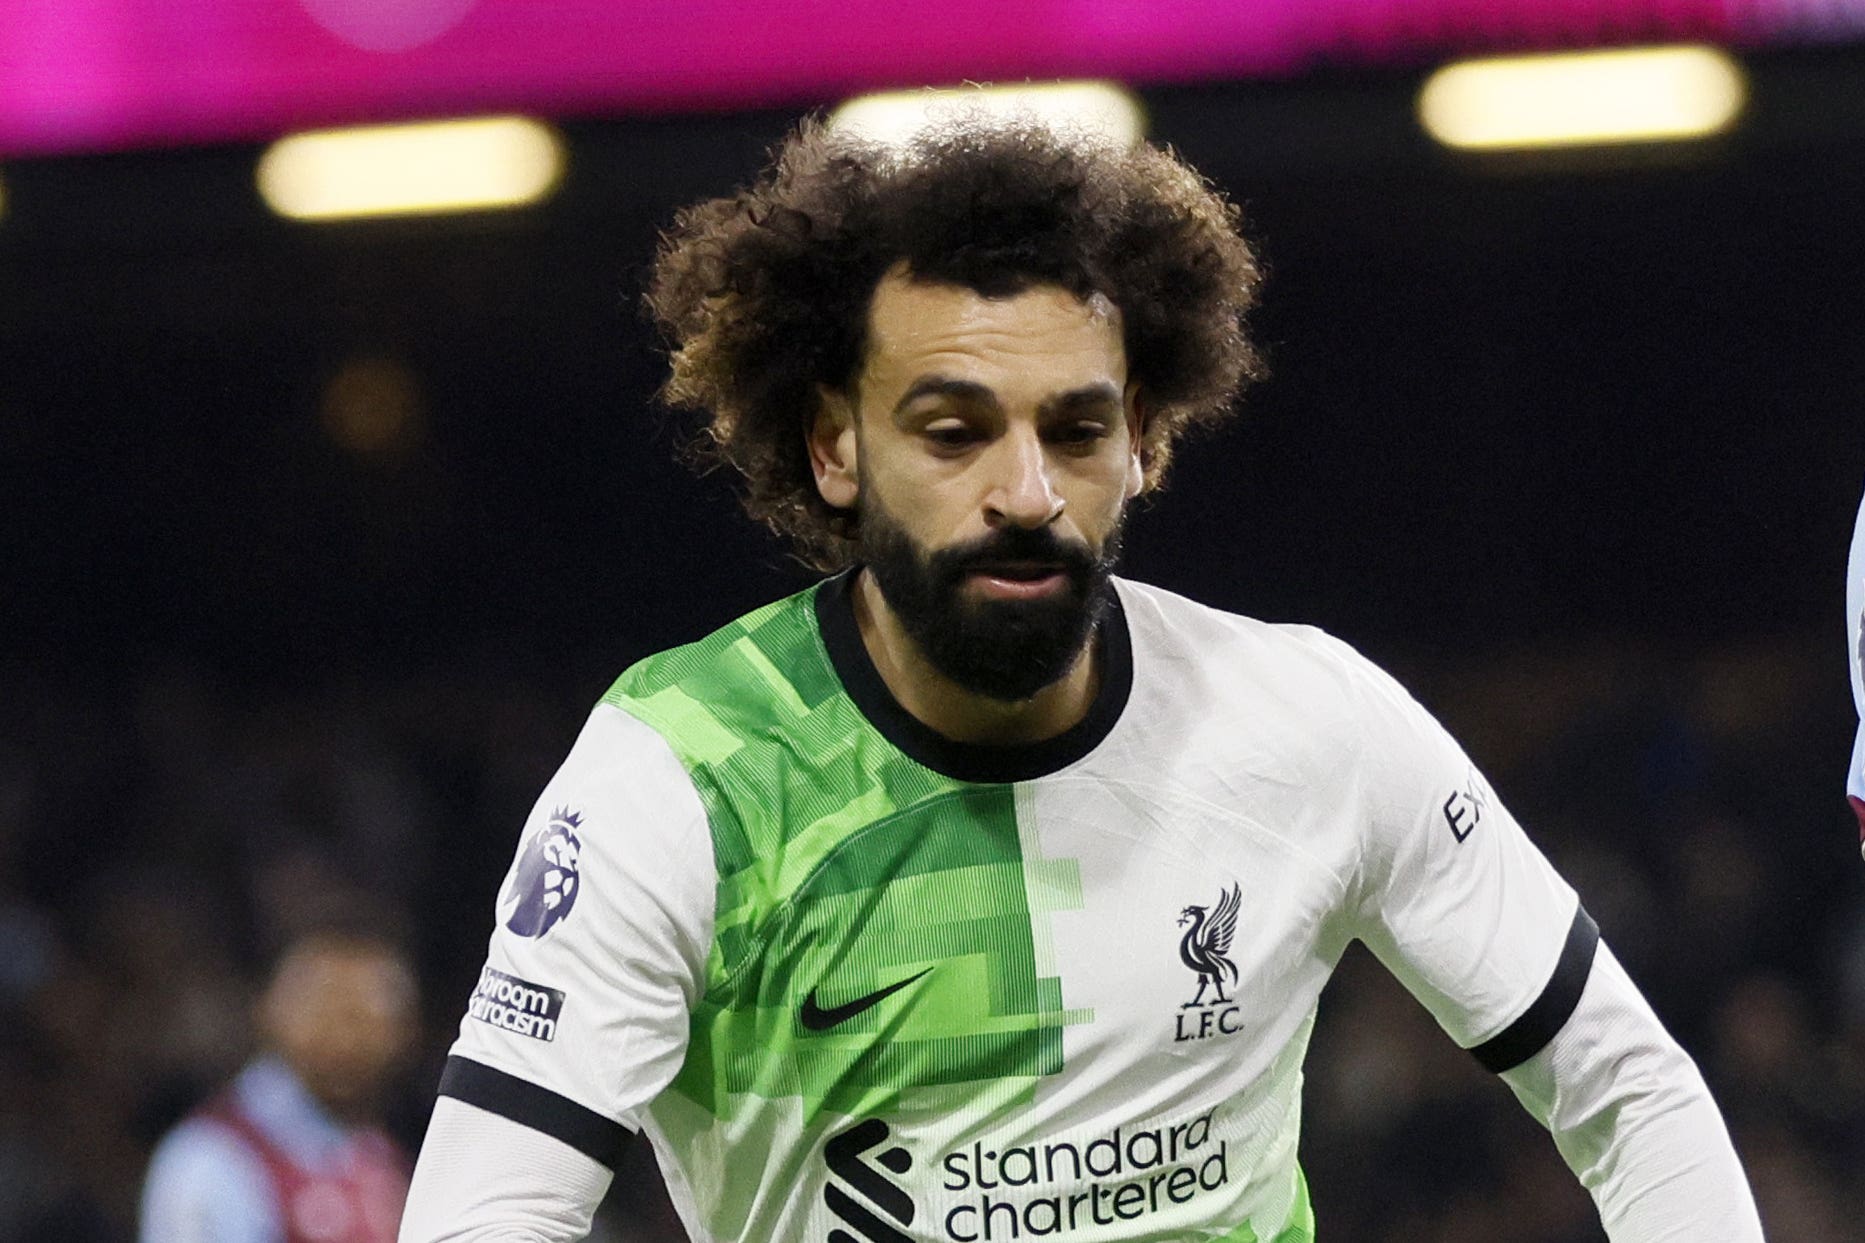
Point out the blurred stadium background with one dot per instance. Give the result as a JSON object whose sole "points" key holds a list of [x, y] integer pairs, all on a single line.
{"points": [[320, 538]]}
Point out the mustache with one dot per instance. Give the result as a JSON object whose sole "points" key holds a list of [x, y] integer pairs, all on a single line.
{"points": [[1013, 545]]}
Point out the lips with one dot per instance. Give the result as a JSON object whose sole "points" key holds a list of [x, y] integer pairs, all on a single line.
{"points": [[1017, 571], [1018, 580]]}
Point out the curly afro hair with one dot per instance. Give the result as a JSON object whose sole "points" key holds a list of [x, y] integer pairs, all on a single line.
{"points": [[763, 295]]}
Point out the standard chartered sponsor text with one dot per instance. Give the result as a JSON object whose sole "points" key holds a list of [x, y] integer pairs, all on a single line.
{"points": [[1131, 1174]]}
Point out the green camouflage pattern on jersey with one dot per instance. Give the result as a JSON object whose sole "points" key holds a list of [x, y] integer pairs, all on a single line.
{"points": [[845, 867]]}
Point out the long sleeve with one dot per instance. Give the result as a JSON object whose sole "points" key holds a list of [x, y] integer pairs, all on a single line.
{"points": [[1474, 921], [580, 1016], [485, 1179], [1634, 1121]]}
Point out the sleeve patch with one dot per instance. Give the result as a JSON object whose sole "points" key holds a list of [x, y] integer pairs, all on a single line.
{"points": [[515, 1005]]}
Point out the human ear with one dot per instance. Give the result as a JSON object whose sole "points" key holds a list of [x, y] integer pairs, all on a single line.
{"points": [[1136, 429], [832, 448]]}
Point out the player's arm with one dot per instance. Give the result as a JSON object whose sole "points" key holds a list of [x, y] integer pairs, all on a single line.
{"points": [[1634, 1121], [1470, 916], [580, 1016], [483, 1178]]}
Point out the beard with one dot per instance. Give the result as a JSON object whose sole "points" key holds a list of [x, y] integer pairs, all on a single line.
{"points": [[1006, 650]]}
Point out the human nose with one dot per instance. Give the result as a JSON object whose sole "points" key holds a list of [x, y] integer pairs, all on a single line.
{"points": [[1023, 492]]}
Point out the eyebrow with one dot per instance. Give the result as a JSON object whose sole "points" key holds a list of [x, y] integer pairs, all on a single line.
{"points": [[1100, 393]]}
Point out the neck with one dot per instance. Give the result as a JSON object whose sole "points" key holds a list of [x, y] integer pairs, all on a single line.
{"points": [[951, 710]]}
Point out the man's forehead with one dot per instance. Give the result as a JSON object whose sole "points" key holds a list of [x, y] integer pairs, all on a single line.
{"points": [[912, 321]]}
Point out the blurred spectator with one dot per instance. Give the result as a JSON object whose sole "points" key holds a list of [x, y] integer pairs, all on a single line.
{"points": [[292, 1151]]}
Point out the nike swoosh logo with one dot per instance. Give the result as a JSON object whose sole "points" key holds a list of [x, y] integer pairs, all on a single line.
{"points": [[818, 1019]]}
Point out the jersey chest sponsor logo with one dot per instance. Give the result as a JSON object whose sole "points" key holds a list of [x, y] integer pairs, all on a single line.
{"points": [[548, 877], [864, 1199], [1204, 949], [1022, 1190]]}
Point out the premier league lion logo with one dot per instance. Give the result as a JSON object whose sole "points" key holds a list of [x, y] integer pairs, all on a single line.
{"points": [[544, 887]]}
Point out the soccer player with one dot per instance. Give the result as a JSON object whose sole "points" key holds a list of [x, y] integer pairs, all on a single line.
{"points": [[976, 893], [290, 1151], [1855, 621]]}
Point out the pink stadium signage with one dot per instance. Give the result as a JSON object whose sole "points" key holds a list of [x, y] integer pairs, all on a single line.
{"points": [[100, 74]]}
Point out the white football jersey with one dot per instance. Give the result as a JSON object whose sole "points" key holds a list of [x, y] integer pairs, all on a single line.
{"points": [[858, 982]]}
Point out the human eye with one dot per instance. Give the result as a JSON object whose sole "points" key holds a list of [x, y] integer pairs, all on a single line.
{"points": [[950, 435], [1084, 434]]}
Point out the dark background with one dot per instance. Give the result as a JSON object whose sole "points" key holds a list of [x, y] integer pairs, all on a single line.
{"points": [[1571, 443]]}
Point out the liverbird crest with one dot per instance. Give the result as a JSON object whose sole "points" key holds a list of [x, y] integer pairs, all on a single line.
{"points": [[1205, 947]]}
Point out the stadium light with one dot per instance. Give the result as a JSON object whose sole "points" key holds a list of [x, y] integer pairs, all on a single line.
{"points": [[400, 170], [1099, 109], [1583, 98]]}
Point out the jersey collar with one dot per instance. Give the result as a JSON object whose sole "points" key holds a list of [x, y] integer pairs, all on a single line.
{"points": [[971, 761]]}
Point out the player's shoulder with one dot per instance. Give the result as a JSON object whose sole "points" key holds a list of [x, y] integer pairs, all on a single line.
{"points": [[746, 678], [765, 653], [780, 632], [1226, 684], [1175, 634]]}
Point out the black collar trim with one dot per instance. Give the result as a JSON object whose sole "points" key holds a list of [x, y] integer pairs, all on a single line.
{"points": [[971, 761]]}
